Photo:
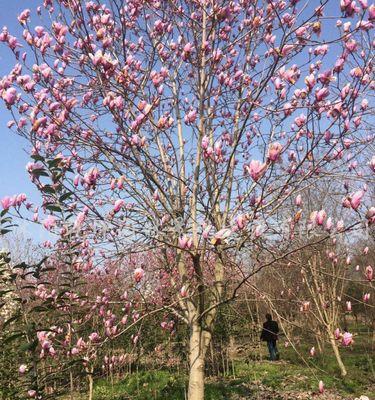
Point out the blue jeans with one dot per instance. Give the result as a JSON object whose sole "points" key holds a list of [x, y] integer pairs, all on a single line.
{"points": [[272, 348]]}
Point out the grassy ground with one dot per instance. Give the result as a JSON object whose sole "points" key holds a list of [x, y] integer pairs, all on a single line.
{"points": [[295, 376], [286, 379]]}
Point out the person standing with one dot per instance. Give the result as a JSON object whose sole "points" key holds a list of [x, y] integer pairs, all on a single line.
{"points": [[269, 335]]}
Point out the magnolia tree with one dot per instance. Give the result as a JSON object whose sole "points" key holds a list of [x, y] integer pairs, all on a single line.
{"points": [[57, 322], [184, 128]]}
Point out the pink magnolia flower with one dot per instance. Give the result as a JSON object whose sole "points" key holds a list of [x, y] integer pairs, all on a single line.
{"points": [[346, 202], [138, 274], [298, 200], [274, 151], [185, 242], [355, 199], [6, 202], [370, 215], [369, 273], [329, 224], [91, 177], [241, 221], [258, 231], [79, 220], [256, 169], [340, 226], [349, 306], [221, 235], [366, 297], [155, 195], [31, 393], [10, 96], [312, 351], [347, 339], [337, 334], [183, 291], [321, 387], [94, 337], [191, 117], [372, 163], [118, 205], [49, 222], [371, 12], [206, 142], [19, 199], [22, 369], [320, 217], [23, 17], [321, 94], [74, 351], [206, 231]]}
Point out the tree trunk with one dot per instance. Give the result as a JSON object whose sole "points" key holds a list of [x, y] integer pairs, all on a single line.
{"points": [[71, 385], [198, 344], [91, 382], [338, 356]]}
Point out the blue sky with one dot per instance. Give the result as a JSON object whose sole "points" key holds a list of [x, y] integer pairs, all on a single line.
{"points": [[13, 149]]}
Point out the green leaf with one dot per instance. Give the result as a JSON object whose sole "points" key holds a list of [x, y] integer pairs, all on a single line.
{"points": [[10, 320], [13, 337], [39, 172], [54, 207], [37, 157], [54, 163], [2, 292], [29, 346], [48, 189], [65, 196]]}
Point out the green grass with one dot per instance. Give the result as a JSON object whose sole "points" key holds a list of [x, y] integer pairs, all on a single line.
{"points": [[281, 376], [160, 385], [290, 374]]}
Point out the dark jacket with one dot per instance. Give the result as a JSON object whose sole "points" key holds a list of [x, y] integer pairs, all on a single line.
{"points": [[269, 331]]}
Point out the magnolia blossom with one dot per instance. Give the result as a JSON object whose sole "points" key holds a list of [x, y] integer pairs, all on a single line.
{"points": [[94, 337], [369, 273], [118, 205], [6, 202], [256, 169], [10, 96], [221, 235], [321, 387], [22, 369], [241, 221], [138, 274], [370, 215], [329, 224], [355, 199], [366, 297], [312, 351], [274, 151], [347, 339], [190, 117], [206, 231], [320, 217], [185, 242], [298, 200], [23, 17], [183, 291], [49, 222]]}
